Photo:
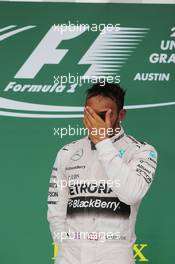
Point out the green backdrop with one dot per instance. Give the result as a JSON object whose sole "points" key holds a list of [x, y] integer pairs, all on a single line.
{"points": [[28, 116]]}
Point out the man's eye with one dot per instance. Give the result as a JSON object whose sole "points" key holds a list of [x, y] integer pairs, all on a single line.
{"points": [[102, 115]]}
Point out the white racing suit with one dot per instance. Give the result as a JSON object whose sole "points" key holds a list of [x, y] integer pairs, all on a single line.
{"points": [[94, 196]]}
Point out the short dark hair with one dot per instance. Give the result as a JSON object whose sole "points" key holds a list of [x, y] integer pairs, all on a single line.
{"points": [[111, 90]]}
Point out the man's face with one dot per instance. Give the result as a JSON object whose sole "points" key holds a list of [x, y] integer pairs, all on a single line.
{"points": [[101, 104]]}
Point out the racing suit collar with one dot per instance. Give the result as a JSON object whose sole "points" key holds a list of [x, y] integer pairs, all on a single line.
{"points": [[114, 138]]}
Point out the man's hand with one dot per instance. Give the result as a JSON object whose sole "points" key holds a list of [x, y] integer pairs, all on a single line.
{"points": [[98, 129]]}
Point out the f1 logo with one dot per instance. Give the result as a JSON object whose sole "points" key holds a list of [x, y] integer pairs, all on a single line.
{"points": [[107, 54]]}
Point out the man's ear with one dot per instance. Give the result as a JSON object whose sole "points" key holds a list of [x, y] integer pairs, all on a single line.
{"points": [[122, 114]]}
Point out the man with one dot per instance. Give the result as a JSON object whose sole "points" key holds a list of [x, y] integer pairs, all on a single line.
{"points": [[97, 185]]}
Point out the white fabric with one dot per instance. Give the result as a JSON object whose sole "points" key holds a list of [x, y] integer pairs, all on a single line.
{"points": [[107, 185]]}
